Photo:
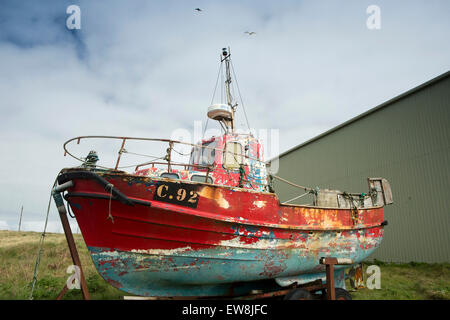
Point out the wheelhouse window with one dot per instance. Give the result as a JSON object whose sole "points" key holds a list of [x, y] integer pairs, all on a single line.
{"points": [[204, 155], [169, 175], [200, 178], [232, 157]]}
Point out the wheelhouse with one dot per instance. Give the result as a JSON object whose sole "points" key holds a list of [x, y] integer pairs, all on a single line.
{"points": [[231, 159]]}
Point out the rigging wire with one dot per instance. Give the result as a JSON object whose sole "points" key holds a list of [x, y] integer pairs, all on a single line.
{"points": [[140, 154], [240, 96], [302, 195], [214, 94], [180, 153], [222, 89], [217, 82]]}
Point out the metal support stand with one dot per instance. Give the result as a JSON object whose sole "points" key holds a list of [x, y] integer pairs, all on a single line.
{"points": [[70, 240], [329, 268]]}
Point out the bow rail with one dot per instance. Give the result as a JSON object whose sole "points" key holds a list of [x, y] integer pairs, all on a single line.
{"points": [[167, 157]]}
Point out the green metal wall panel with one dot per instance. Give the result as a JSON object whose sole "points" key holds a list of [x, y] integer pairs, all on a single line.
{"points": [[406, 142]]}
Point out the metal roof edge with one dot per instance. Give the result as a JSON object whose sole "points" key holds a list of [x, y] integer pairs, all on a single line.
{"points": [[362, 115]]}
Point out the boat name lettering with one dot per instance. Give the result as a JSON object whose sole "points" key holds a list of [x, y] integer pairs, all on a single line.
{"points": [[183, 195]]}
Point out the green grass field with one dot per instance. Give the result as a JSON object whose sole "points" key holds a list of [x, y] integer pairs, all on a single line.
{"points": [[18, 251]]}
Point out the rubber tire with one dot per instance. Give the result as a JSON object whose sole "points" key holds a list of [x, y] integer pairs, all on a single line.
{"points": [[342, 294], [298, 294]]}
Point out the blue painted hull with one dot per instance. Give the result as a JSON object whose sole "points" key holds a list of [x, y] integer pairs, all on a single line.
{"points": [[221, 271]]}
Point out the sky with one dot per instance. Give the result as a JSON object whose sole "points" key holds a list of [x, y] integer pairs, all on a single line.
{"points": [[149, 68]]}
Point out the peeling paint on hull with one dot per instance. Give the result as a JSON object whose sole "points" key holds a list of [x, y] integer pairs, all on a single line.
{"points": [[212, 271], [207, 249]]}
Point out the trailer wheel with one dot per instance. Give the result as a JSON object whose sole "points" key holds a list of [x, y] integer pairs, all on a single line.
{"points": [[298, 294], [342, 294]]}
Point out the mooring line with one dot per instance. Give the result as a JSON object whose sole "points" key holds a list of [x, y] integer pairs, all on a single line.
{"points": [[41, 241]]}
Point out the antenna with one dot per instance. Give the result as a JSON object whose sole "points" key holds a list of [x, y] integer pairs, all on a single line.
{"points": [[225, 113]]}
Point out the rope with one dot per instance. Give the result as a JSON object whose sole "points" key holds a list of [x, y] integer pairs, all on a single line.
{"points": [[241, 175], [291, 183], [110, 186], [353, 209], [296, 197], [41, 243], [69, 211]]}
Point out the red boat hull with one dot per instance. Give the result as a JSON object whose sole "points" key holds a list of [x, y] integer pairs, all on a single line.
{"points": [[183, 238]]}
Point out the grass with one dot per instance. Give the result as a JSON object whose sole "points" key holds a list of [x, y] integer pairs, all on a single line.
{"points": [[408, 281], [18, 251]]}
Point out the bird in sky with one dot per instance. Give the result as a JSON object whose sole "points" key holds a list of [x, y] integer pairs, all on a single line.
{"points": [[250, 32], [198, 9]]}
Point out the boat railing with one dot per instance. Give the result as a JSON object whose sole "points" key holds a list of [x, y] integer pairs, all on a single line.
{"points": [[168, 157], [167, 160]]}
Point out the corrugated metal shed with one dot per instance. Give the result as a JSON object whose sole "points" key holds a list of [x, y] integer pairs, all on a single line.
{"points": [[407, 141]]}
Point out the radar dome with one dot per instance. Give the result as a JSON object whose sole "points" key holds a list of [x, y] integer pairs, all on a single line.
{"points": [[220, 112]]}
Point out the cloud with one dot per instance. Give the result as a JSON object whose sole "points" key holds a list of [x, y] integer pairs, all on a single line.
{"points": [[4, 225], [147, 68]]}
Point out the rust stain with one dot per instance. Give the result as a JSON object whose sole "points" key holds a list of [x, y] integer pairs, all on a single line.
{"points": [[216, 195]]}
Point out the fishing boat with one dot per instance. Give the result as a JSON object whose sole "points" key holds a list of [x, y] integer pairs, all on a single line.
{"points": [[213, 226]]}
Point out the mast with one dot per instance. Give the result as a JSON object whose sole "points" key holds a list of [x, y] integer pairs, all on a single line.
{"points": [[224, 113], [226, 57]]}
